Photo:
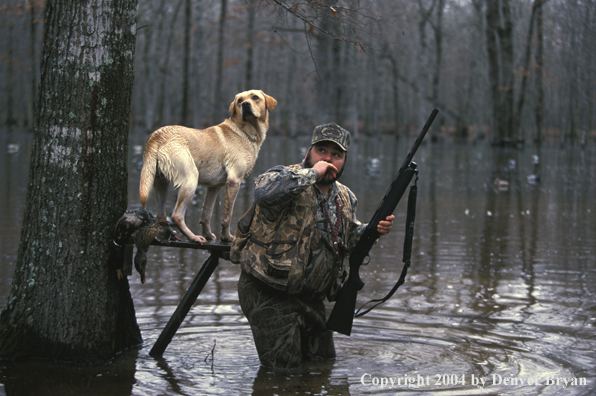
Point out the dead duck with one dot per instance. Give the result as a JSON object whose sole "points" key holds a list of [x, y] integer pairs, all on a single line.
{"points": [[142, 227], [130, 221], [153, 229]]}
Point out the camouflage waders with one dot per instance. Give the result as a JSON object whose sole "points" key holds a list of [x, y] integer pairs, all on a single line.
{"points": [[286, 329], [285, 309]]}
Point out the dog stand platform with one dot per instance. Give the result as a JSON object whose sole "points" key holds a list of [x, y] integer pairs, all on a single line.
{"points": [[217, 250]]}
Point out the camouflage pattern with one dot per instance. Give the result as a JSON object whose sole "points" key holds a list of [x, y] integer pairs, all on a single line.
{"points": [[289, 265], [286, 329], [288, 245], [333, 133]]}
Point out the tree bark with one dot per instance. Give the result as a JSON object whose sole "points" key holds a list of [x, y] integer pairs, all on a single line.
{"points": [[66, 303]]}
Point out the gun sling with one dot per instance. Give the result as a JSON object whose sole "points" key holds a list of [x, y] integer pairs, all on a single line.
{"points": [[411, 215]]}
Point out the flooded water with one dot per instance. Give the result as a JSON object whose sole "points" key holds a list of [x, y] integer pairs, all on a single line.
{"points": [[500, 298]]}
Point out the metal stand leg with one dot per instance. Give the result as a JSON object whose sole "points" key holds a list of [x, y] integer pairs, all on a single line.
{"points": [[186, 303]]}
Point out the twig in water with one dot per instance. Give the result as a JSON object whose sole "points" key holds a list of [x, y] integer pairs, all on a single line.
{"points": [[212, 354]]}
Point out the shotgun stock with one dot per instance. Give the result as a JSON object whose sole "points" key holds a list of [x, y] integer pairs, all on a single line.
{"points": [[342, 315]]}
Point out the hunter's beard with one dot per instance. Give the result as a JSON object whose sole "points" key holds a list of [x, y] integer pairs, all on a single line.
{"points": [[326, 180]]}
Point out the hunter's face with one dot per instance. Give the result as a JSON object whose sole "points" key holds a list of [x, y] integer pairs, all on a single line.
{"points": [[328, 152]]}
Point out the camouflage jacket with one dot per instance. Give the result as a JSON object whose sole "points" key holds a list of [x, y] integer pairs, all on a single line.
{"points": [[286, 240]]}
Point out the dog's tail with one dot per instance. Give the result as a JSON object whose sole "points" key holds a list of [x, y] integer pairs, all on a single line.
{"points": [[167, 152], [149, 168]]}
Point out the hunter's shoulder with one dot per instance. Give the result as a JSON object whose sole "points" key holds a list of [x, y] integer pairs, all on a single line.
{"points": [[346, 192]]}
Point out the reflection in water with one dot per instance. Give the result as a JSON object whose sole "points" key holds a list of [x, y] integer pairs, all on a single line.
{"points": [[500, 288], [315, 378], [39, 378]]}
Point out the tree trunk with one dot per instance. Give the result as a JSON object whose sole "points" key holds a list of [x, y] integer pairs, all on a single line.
{"points": [[508, 91], [436, 81], [289, 112], [250, 36], [184, 117], [395, 92], [499, 41], [66, 303], [586, 71], [218, 103], [323, 66], [32, 96], [539, 110], [196, 102], [151, 58], [162, 117], [537, 4], [423, 59], [11, 80]]}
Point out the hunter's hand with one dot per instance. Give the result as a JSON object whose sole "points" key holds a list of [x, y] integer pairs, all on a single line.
{"points": [[325, 168], [386, 225]]}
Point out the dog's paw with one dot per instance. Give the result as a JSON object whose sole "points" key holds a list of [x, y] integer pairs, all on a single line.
{"points": [[209, 236], [227, 238], [198, 239]]}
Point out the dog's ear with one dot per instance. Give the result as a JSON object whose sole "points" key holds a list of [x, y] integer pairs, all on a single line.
{"points": [[233, 107], [269, 101]]}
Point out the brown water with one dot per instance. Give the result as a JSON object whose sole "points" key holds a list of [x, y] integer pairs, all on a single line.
{"points": [[501, 286]]}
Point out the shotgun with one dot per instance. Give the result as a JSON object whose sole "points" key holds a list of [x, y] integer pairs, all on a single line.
{"points": [[342, 315]]}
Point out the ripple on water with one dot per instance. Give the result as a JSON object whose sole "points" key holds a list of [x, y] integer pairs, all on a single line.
{"points": [[418, 346]]}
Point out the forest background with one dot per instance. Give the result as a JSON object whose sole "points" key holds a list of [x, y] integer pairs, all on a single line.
{"points": [[507, 70]]}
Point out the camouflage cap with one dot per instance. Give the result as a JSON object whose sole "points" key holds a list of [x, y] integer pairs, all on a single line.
{"points": [[333, 133]]}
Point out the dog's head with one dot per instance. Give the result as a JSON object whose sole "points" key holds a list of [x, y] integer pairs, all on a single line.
{"points": [[251, 105]]}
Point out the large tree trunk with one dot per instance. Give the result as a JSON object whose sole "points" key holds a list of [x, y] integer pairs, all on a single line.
{"points": [[66, 303]]}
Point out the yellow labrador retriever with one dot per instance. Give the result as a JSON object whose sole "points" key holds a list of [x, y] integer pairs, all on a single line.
{"points": [[220, 155]]}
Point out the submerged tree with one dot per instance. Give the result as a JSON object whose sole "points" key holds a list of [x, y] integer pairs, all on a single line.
{"points": [[66, 303]]}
